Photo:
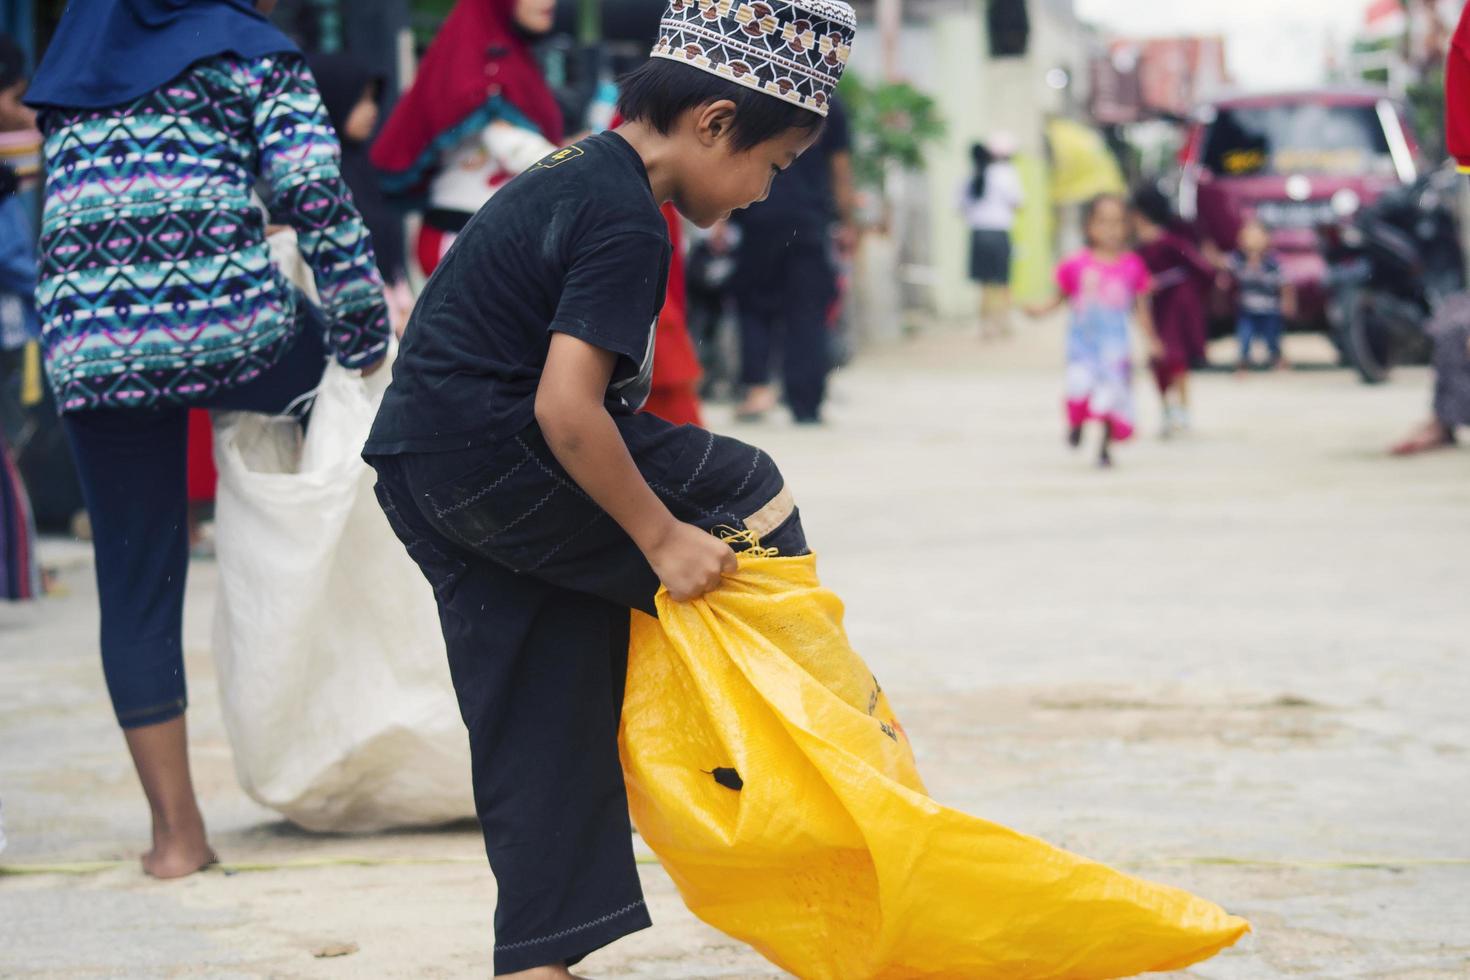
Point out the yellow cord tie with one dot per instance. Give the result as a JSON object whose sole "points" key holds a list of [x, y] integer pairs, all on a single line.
{"points": [[747, 537]]}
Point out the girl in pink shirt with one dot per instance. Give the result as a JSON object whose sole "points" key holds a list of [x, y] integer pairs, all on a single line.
{"points": [[1104, 284]]}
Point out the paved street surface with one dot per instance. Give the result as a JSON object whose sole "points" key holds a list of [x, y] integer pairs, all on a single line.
{"points": [[1236, 663]]}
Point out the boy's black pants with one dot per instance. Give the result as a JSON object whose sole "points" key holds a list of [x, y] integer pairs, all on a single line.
{"points": [[534, 583]]}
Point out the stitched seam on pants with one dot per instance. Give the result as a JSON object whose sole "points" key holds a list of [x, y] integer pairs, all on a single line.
{"points": [[709, 448], [754, 464], [566, 541], [550, 472], [708, 514], [723, 508], [405, 533], [501, 530], [572, 931], [480, 494]]}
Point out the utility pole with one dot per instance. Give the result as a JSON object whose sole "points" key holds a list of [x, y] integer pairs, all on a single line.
{"points": [[890, 23]]}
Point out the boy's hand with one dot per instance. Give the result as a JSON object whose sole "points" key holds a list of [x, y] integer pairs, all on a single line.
{"points": [[690, 562]]}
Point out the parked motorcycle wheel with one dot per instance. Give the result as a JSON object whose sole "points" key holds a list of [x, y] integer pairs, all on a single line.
{"points": [[1369, 341]]}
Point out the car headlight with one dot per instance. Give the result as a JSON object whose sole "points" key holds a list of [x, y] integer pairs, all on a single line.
{"points": [[1346, 202]]}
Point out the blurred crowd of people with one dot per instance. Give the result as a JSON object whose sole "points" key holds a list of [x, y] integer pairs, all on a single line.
{"points": [[753, 309]]}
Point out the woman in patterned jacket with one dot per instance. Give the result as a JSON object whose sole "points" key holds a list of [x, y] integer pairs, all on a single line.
{"points": [[157, 294]]}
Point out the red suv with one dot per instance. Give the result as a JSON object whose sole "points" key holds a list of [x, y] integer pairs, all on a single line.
{"points": [[1297, 161]]}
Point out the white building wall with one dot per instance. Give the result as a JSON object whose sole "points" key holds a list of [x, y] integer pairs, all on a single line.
{"points": [[978, 96], [944, 50]]}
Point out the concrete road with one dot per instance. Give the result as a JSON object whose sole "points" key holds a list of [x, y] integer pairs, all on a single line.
{"points": [[1237, 663]]}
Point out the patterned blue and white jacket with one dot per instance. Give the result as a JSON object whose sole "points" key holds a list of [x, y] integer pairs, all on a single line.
{"points": [[156, 284]]}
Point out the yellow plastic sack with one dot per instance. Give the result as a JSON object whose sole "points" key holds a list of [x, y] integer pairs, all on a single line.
{"points": [[829, 858]]}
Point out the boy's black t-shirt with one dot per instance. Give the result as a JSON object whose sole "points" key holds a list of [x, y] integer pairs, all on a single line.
{"points": [[576, 244]]}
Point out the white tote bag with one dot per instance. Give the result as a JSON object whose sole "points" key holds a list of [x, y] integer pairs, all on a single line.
{"points": [[331, 665]]}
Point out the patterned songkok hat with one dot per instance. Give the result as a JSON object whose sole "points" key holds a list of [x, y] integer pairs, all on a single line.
{"points": [[792, 49]]}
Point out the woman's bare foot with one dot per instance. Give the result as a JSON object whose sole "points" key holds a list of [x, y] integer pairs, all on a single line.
{"points": [[179, 852], [1426, 438], [161, 756]]}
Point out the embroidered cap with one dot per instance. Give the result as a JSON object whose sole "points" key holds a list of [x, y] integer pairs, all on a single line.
{"points": [[794, 50]]}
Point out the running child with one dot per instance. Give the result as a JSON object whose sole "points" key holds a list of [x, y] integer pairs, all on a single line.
{"points": [[1103, 284], [538, 504]]}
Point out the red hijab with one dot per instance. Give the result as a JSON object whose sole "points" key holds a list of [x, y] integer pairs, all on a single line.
{"points": [[477, 56]]}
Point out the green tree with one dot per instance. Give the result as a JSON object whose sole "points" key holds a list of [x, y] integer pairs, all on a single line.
{"points": [[893, 125]]}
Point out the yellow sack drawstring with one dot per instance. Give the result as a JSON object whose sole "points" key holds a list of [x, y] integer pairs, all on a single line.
{"points": [[747, 537]]}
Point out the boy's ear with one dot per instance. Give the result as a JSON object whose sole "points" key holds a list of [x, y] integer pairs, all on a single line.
{"points": [[712, 121]]}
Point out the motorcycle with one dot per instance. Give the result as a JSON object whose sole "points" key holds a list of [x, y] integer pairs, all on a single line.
{"points": [[1390, 265]]}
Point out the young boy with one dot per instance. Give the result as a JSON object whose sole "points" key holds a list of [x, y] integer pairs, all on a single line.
{"points": [[1265, 295], [539, 506]]}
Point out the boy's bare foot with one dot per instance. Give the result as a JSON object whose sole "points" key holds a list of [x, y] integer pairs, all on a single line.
{"points": [[557, 972], [176, 854]]}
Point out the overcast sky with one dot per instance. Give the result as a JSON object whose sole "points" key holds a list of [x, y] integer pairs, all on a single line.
{"points": [[1270, 43]]}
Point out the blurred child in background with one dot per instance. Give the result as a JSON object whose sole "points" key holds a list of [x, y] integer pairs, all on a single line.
{"points": [[1180, 277], [1266, 298], [1103, 284]]}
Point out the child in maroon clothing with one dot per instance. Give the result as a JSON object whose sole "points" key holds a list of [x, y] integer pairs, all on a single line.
{"points": [[1181, 277]]}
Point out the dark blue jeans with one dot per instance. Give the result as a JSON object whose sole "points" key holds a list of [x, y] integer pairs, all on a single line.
{"points": [[1251, 327], [133, 464], [534, 583]]}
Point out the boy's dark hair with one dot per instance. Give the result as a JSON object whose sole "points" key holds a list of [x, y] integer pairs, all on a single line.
{"points": [[661, 90], [1089, 210], [1151, 203]]}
